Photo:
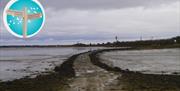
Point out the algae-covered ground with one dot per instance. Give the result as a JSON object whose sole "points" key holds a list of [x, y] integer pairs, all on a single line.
{"points": [[55, 81], [136, 81], [143, 82], [52, 82], [86, 72]]}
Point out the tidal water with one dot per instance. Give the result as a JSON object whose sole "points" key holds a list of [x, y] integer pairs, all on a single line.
{"points": [[156, 61], [17, 63]]}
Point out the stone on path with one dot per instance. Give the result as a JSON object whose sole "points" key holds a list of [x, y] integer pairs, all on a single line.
{"points": [[92, 78]]}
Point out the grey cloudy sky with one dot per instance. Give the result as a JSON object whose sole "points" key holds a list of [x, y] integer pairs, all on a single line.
{"points": [[69, 21], [103, 4]]}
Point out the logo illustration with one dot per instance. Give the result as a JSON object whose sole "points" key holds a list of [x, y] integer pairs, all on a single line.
{"points": [[24, 18]]}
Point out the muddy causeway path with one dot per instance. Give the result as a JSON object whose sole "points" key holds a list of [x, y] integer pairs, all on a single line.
{"points": [[91, 74], [92, 78], [78, 73], [86, 72]]}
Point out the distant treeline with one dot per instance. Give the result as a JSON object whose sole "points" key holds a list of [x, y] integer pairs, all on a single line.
{"points": [[171, 42]]}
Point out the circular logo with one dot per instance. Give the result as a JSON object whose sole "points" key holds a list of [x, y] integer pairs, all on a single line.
{"points": [[24, 18]]}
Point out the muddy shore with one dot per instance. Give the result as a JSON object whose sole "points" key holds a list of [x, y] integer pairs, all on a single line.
{"points": [[136, 81], [86, 72], [55, 81]]}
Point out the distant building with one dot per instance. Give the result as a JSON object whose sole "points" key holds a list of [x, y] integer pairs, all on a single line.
{"points": [[116, 38]]}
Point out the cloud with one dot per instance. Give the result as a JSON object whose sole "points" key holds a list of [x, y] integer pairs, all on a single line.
{"points": [[103, 4], [139, 21], [90, 20], [97, 4]]}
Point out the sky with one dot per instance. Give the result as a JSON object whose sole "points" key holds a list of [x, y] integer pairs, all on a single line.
{"points": [[72, 21]]}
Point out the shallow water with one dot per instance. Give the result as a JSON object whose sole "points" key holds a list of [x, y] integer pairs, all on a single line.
{"points": [[156, 61], [16, 63]]}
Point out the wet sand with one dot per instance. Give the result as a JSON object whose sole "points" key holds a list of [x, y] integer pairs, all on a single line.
{"points": [[153, 61], [86, 72], [137, 81], [16, 63]]}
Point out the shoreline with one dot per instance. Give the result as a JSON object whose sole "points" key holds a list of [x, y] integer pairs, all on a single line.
{"points": [[60, 79], [137, 81], [97, 61], [50, 82]]}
